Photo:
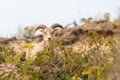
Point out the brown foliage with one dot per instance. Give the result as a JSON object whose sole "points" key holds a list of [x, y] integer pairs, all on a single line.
{"points": [[103, 28]]}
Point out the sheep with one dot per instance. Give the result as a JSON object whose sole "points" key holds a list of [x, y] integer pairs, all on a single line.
{"points": [[47, 36]]}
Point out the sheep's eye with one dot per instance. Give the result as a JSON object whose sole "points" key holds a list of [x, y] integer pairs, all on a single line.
{"points": [[52, 32], [45, 33]]}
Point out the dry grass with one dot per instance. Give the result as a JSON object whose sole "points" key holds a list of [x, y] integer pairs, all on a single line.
{"points": [[80, 53]]}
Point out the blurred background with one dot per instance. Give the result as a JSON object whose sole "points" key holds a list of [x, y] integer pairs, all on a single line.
{"points": [[16, 14]]}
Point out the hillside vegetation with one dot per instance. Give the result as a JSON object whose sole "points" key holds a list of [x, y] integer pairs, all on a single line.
{"points": [[87, 52]]}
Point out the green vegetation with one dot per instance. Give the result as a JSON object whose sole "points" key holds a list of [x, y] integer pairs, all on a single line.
{"points": [[97, 59], [97, 63]]}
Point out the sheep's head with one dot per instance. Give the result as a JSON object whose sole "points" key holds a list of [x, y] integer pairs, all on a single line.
{"points": [[48, 31]]}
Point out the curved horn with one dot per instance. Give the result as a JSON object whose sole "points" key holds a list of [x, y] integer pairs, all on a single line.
{"points": [[83, 19], [90, 18], [56, 25], [41, 26]]}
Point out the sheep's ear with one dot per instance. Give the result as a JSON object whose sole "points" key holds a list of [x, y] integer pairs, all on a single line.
{"points": [[40, 27], [56, 25]]}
